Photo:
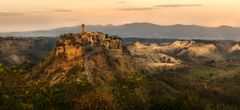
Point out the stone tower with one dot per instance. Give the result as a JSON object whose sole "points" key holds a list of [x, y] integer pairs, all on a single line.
{"points": [[83, 28]]}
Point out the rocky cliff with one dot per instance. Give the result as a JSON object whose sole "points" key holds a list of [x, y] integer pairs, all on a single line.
{"points": [[158, 56], [86, 55], [234, 51], [153, 60]]}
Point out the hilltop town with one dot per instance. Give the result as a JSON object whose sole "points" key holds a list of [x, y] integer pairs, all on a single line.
{"points": [[74, 45], [86, 53]]}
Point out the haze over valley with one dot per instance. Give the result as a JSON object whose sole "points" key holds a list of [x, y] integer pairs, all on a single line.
{"points": [[144, 30]]}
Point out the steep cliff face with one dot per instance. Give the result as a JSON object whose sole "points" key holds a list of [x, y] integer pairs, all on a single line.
{"points": [[234, 51], [201, 52], [196, 51], [182, 44], [235, 48], [86, 55], [153, 58]]}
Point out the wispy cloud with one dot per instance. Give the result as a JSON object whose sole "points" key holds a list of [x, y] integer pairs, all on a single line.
{"points": [[51, 10], [160, 6], [178, 5], [121, 2], [37, 12], [61, 10], [134, 9], [7, 13]]}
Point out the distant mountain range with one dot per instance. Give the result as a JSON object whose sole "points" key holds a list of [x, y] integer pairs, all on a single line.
{"points": [[145, 30]]}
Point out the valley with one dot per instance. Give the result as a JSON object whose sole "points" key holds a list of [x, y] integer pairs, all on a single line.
{"points": [[119, 55], [94, 70]]}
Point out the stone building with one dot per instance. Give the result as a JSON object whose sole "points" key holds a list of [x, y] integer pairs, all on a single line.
{"points": [[73, 45]]}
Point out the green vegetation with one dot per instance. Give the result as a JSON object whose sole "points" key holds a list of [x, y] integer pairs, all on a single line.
{"points": [[200, 88]]}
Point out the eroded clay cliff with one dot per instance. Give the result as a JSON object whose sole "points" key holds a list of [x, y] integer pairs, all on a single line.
{"points": [[87, 54]]}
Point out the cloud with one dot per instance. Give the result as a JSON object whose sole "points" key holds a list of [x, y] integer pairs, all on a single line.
{"points": [[37, 12], [61, 10], [135, 9], [121, 2], [178, 5], [51, 10], [7, 13], [160, 6]]}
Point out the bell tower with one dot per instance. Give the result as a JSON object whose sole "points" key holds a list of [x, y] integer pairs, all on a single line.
{"points": [[82, 28]]}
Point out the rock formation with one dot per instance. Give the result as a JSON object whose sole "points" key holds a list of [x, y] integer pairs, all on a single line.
{"points": [[195, 51], [152, 59], [87, 54], [182, 44], [174, 54], [201, 52], [234, 51], [235, 48]]}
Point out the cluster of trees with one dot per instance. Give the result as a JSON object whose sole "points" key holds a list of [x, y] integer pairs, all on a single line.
{"points": [[43, 96], [138, 91]]}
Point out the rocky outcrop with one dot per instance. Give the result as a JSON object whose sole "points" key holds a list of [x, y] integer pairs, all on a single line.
{"points": [[234, 51], [235, 48], [201, 52], [196, 51], [86, 55], [171, 55], [182, 44], [153, 58]]}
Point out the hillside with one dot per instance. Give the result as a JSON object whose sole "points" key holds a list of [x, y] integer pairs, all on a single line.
{"points": [[234, 51], [182, 51], [153, 58], [96, 71], [16, 51], [146, 30], [88, 53]]}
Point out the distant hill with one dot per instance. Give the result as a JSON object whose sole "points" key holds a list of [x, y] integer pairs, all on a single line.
{"points": [[145, 30]]}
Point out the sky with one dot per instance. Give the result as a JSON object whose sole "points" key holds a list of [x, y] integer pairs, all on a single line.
{"points": [[26, 15]]}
